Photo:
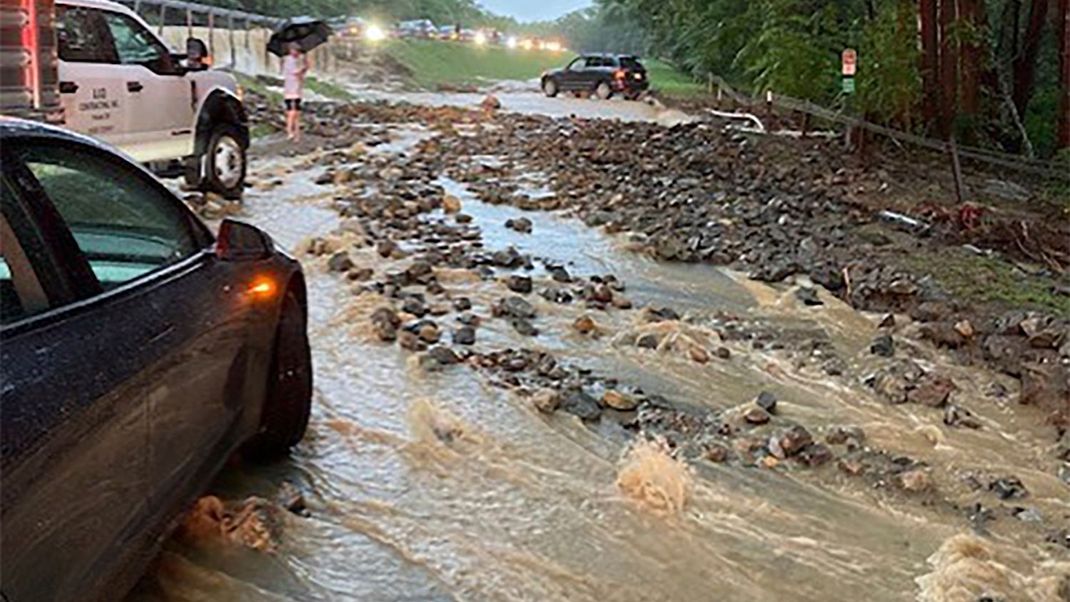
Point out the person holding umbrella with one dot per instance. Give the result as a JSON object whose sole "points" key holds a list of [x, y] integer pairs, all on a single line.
{"points": [[291, 40], [294, 68]]}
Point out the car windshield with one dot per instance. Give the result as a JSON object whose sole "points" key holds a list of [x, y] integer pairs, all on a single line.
{"points": [[631, 63]]}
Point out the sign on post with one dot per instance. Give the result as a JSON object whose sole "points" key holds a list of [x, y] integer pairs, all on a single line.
{"points": [[849, 66], [850, 62]]}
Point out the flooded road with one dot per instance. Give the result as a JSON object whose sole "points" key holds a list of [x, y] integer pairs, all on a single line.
{"points": [[442, 484]]}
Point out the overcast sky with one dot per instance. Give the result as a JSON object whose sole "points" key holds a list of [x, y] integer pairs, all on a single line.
{"points": [[534, 10]]}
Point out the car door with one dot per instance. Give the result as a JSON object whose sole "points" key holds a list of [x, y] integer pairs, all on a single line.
{"points": [[572, 76], [91, 87], [153, 341], [74, 430], [159, 98]]}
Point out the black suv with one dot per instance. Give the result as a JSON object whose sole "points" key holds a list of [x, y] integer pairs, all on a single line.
{"points": [[603, 74]]}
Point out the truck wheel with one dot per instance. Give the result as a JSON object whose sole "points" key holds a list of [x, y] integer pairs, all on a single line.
{"points": [[225, 162], [288, 401], [549, 87], [603, 91]]}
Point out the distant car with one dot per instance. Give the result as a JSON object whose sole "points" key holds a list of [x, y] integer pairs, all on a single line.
{"points": [[139, 351], [349, 27], [448, 32], [420, 28], [602, 74]]}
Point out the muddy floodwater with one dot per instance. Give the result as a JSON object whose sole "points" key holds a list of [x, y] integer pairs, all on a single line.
{"points": [[440, 485]]}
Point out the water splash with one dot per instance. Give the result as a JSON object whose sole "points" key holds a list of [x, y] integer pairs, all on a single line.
{"points": [[651, 476]]}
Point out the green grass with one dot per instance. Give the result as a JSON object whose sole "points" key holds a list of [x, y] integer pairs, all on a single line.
{"points": [[434, 64], [327, 89], [989, 280], [669, 81]]}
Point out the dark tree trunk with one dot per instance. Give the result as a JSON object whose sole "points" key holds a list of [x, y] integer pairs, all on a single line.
{"points": [[930, 54], [1063, 29], [948, 64], [971, 12], [1025, 65]]}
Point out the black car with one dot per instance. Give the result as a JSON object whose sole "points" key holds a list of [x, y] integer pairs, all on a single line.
{"points": [[138, 352], [602, 74]]}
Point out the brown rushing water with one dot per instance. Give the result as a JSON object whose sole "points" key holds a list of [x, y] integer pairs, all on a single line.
{"points": [[517, 505]]}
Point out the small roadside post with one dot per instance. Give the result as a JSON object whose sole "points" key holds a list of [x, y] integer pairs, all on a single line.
{"points": [[848, 67]]}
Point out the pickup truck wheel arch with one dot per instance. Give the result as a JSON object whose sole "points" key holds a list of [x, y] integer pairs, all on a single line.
{"points": [[220, 107]]}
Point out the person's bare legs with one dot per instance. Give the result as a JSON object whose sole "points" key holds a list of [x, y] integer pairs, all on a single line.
{"points": [[291, 124], [297, 126]]}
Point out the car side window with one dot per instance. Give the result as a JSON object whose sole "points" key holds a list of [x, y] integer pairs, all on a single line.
{"points": [[82, 36], [577, 65], [136, 45], [125, 227]]}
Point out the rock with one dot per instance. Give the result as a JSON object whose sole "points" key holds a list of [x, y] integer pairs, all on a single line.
{"points": [[340, 262], [933, 391], [414, 306], [648, 341], [360, 274], [519, 284], [465, 335], [451, 204], [723, 353], [1049, 338], [1008, 488], [883, 346], [385, 322], [290, 498], [794, 439], [698, 354], [808, 296], [560, 274], [515, 307], [584, 325], [915, 481], [443, 356], [462, 304], [621, 302], [958, 416], [490, 103], [409, 340], [766, 401], [943, 334], [507, 258], [419, 271], [964, 328], [715, 452], [387, 248], [815, 454], [582, 405], [520, 224], [661, 315], [888, 321], [428, 333], [546, 401], [601, 293], [756, 415], [524, 327], [851, 436], [619, 401]]}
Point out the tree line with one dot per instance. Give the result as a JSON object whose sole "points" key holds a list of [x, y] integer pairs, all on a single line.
{"points": [[990, 72]]}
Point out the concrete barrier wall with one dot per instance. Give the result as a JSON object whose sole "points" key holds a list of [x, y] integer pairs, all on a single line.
{"points": [[245, 50]]}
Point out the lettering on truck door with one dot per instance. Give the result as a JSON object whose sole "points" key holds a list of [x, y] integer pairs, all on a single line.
{"points": [[159, 97], [89, 82]]}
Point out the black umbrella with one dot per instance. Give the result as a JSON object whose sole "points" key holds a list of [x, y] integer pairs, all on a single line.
{"points": [[305, 31]]}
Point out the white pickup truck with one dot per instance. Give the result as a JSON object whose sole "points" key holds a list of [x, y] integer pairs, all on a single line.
{"points": [[99, 69]]}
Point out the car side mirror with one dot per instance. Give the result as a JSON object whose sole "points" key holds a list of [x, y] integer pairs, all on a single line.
{"points": [[239, 241], [197, 57]]}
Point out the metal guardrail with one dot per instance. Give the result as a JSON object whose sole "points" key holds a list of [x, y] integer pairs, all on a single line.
{"points": [[1048, 169], [192, 8]]}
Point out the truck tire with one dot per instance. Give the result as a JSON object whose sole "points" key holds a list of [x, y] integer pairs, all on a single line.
{"points": [[603, 91], [549, 87], [288, 399], [224, 162]]}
